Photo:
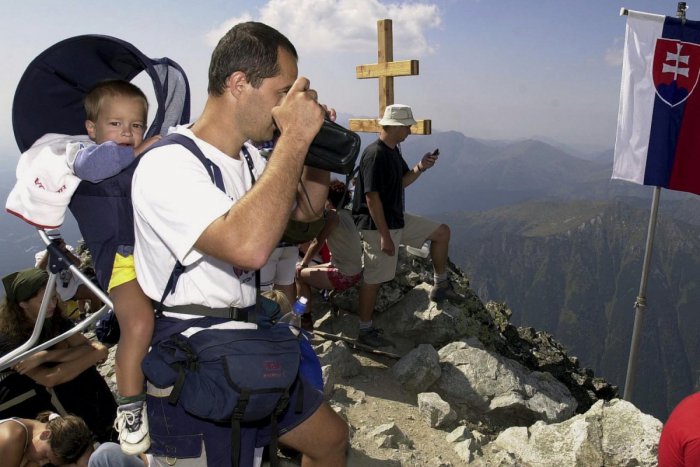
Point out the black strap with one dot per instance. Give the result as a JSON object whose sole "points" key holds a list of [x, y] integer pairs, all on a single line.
{"points": [[300, 397], [236, 418], [344, 200], [177, 386], [217, 178], [231, 312]]}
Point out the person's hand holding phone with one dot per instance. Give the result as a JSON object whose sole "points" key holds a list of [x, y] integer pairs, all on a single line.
{"points": [[428, 160]]}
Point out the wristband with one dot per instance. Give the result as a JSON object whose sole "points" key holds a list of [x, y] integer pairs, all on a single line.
{"points": [[419, 169]]}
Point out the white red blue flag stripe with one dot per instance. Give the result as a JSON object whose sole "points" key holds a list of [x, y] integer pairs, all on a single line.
{"points": [[658, 127]]}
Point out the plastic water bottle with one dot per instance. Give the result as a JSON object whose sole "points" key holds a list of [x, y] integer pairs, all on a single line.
{"points": [[293, 318]]}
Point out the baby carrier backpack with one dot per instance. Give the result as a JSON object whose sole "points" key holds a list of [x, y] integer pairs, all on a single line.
{"points": [[49, 99]]}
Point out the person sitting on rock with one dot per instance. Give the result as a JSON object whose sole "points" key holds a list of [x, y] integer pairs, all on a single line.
{"points": [[67, 369], [345, 267]]}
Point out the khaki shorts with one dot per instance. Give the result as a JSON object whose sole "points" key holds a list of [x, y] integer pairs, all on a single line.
{"points": [[123, 271], [380, 267]]}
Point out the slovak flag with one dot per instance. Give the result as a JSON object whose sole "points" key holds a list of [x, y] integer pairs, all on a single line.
{"points": [[658, 125]]}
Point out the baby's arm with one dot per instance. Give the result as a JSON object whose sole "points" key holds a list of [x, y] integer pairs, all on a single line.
{"points": [[101, 161]]}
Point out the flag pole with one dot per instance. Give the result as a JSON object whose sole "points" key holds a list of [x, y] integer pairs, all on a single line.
{"points": [[641, 303]]}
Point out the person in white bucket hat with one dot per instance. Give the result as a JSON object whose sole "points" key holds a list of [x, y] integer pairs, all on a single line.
{"points": [[378, 209]]}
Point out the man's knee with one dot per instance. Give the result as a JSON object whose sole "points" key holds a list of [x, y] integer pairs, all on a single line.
{"points": [[441, 234], [336, 434], [322, 437]]}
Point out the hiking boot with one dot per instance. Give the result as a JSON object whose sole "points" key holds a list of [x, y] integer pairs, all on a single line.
{"points": [[132, 426], [443, 290], [372, 337]]}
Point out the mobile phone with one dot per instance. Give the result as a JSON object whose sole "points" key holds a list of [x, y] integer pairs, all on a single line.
{"points": [[436, 152]]}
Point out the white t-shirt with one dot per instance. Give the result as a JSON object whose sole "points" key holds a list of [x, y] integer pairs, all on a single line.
{"points": [[174, 201]]}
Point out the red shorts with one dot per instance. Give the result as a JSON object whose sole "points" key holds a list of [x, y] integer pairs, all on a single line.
{"points": [[340, 281]]}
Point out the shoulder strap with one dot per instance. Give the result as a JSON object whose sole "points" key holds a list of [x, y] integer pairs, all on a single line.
{"points": [[213, 169], [26, 431], [216, 177]]}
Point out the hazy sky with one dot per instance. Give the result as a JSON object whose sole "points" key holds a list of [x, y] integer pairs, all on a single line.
{"points": [[505, 69]]}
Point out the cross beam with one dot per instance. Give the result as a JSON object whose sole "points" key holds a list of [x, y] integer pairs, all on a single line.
{"points": [[385, 70]]}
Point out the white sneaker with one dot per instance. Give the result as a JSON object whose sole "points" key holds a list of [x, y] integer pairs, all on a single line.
{"points": [[132, 425]]}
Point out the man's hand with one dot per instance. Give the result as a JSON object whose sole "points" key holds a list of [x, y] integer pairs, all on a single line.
{"points": [[299, 115], [141, 148], [427, 161], [387, 245]]}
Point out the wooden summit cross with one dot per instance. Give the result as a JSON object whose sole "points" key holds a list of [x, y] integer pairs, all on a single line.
{"points": [[385, 70]]}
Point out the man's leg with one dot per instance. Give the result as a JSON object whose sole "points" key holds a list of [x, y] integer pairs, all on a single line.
{"points": [[418, 229], [322, 438], [378, 268], [368, 297], [439, 248]]}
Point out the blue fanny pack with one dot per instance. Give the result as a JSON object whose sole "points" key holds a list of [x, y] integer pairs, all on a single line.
{"points": [[226, 374]]}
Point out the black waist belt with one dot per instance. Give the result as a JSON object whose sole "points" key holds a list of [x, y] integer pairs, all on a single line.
{"points": [[233, 313]]}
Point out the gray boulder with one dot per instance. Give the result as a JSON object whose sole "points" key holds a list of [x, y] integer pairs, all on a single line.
{"points": [[418, 369], [480, 383], [610, 433]]}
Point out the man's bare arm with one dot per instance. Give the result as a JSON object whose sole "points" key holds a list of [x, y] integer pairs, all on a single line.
{"points": [[250, 231]]}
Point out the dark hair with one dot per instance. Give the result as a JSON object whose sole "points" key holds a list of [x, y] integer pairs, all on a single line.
{"points": [[250, 48], [336, 193], [70, 436], [111, 88], [17, 327]]}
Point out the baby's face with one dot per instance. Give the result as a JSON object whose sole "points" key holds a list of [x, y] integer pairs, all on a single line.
{"points": [[121, 119]]}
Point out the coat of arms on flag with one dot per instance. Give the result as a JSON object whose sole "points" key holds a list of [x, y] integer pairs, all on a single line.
{"points": [[676, 70], [657, 141]]}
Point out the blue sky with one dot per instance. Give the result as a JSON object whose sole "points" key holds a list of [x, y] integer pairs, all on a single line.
{"points": [[494, 70]]}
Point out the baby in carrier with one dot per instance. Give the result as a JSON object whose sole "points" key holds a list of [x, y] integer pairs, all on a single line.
{"points": [[116, 114]]}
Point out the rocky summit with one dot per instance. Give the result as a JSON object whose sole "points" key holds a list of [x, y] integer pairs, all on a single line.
{"points": [[462, 385]]}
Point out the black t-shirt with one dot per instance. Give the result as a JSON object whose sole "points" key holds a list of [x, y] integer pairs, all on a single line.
{"points": [[381, 170], [20, 396]]}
